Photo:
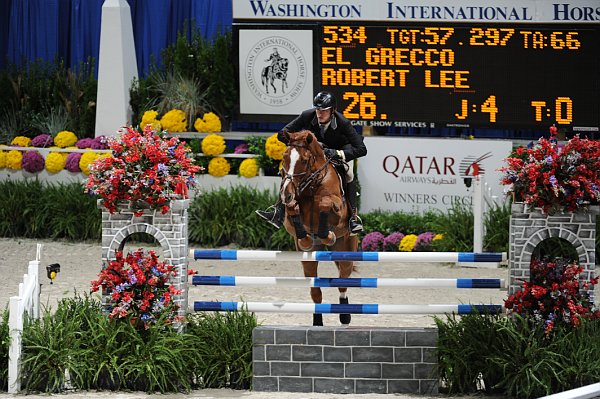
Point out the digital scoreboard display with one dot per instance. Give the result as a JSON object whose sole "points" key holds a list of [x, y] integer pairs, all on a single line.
{"points": [[453, 75]]}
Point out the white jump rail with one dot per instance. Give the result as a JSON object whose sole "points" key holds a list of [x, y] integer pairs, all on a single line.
{"points": [[585, 392], [27, 302]]}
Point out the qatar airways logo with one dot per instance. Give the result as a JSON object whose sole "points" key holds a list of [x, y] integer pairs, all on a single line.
{"points": [[430, 167]]}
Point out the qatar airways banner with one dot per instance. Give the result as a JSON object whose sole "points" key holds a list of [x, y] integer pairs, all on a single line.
{"points": [[520, 11], [416, 175]]}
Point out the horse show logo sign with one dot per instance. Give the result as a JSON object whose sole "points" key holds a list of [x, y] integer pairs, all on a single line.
{"points": [[275, 71]]}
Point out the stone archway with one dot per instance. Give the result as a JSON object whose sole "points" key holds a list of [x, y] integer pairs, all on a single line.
{"points": [[528, 228], [169, 229]]}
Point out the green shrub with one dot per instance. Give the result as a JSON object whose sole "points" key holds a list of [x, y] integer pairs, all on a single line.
{"points": [[513, 357], [225, 356], [496, 222], [225, 216], [78, 346]]}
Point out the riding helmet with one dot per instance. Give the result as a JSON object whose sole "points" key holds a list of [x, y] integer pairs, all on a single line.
{"points": [[324, 100]]}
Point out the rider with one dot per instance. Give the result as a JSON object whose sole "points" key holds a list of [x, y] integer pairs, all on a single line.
{"points": [[340, 141], [274, 57]]}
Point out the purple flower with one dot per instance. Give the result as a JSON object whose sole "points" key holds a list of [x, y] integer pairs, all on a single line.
{"points": [[391, 242], [424, 241], [84, 143], [33, 162], [73, 162], [100, 143], [372, 241], [42, 140], [241, 149]]}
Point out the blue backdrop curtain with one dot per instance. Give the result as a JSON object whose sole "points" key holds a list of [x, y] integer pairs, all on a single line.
{"points": [[70, 29]]}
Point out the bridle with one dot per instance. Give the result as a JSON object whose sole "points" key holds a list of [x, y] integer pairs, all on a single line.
{"points": [[310, 179]]}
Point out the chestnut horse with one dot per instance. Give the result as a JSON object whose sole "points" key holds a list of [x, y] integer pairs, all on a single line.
{"points": [[316, 212]]}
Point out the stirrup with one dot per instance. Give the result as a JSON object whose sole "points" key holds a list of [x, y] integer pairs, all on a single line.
{"points": [[357, 222], [270, 216]]}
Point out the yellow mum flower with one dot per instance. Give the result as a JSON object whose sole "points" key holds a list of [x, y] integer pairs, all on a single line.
{"points": [[249, 167], [56, 161], [21, 141], [438, 237], [218, 167], [274, 148], [86, 160], [209, 123], [13, 160], [2, 159], [213, 144], [174, 121], [65, 139], [408, 243], [149, 118]]}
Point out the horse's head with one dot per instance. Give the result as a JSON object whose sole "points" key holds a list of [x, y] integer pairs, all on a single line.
{"points": [[302, 157]]}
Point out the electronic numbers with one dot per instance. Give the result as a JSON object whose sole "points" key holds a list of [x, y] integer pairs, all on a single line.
{"points": [[466, 76]]}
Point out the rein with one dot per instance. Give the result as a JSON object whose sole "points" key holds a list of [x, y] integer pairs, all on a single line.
{"points": [[310, 180]]}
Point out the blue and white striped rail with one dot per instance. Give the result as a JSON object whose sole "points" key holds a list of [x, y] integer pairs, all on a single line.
{"points": [[350, 282], [323, 308], [232, 254]]}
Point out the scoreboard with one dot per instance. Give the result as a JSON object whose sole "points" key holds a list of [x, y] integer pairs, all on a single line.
{"points": [[397, 64], [470, 76]]}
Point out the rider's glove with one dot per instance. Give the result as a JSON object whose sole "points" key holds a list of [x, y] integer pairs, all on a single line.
{"points": [[331, 153]]}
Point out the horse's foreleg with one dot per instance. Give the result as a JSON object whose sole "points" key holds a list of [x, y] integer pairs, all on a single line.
{"points": [[326, 207], [310, 270], [345, 270]]}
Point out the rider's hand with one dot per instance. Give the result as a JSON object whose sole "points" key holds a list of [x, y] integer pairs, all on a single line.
{"points": [[331, 153]]}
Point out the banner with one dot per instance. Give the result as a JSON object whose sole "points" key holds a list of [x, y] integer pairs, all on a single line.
{"points": [[574, 11], [416, 175]]}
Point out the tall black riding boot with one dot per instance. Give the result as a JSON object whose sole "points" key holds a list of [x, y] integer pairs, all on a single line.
{"points": [[273, 214], [354, 222]]}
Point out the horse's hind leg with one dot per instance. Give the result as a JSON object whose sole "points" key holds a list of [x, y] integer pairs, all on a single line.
{"points": [[310, 270], [345, 270]]}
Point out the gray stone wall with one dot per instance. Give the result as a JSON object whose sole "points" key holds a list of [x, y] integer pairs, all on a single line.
{"points": [[169, 229], [529, 227], [345, 359]]}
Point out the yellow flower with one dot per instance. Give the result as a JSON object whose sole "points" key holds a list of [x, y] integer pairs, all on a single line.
{"points": [[65, 139], [218, 167], [249, 167], [13, 159], [149, 118], [174, 121], [86, 160], [21, 141], [408, 243], [209, 123], [2, 159], [56, 161], [213, 144], [274, 148], [438, 237]]}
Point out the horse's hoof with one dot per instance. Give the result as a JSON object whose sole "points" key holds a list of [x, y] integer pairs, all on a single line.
{"points": [[330, 240], [317, 319], [305, 244], [345, 318]]}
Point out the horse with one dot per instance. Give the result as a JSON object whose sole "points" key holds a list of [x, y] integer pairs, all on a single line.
{"points": [[316, 212], [278, 70]]}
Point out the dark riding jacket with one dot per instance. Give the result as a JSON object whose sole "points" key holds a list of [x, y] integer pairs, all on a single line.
{"points": [[340, 135]]}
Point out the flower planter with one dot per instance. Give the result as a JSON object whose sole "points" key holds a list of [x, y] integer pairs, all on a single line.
{"points": [[530, 226], [170, 229]]}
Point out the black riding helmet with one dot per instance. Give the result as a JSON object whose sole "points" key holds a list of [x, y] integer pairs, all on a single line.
{"points": [[324, 100]]}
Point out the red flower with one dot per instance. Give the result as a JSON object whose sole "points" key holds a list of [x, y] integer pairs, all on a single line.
{"points": [[139, 286], [143, 167]]}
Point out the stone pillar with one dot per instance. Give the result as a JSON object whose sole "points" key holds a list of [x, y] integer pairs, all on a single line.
{"points": [[169, 229], [529, 227]]}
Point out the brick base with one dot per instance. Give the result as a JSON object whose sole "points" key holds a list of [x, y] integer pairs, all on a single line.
{"points": [[345, 359]]}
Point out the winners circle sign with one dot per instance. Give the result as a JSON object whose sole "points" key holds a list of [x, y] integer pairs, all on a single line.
{"points": [[275, 71]]}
